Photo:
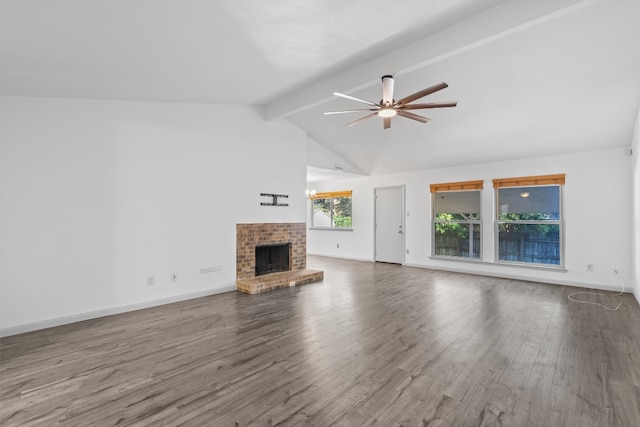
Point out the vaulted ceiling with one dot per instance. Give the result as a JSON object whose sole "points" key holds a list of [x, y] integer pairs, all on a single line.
{"points": [[531, 77]]}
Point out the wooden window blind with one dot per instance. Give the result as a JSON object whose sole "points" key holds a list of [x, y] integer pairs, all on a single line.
{"points": [[526, 181], [457, 186], [331, 194]]}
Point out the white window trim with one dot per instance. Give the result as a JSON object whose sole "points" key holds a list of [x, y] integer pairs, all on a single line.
{"points": [[331, 227], [471, 222], [560, 222]]}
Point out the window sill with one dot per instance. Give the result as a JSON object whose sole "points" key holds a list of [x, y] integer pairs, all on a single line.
{"points": [[548, 267], [459, 259], [518, 265], [331, 228]]}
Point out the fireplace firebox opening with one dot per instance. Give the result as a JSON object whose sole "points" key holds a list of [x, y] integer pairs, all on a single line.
{"points": [[272, 258]]}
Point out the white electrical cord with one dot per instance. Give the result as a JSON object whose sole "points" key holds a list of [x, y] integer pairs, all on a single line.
{"points": [[599, 295]]}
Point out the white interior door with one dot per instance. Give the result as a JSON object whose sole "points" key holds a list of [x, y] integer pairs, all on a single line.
{"points": [[389, 226]]}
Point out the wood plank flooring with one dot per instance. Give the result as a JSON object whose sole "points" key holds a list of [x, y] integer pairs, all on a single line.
{"points": [[373, 344]]}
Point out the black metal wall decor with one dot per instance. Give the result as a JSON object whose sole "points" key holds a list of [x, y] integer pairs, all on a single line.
{"points": [[274, 199]]}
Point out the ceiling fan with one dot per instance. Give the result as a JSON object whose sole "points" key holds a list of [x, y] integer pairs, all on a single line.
{"points": [[389, 107]]}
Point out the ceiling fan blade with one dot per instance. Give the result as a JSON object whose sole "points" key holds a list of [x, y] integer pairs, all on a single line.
{"points": [[387, 90], [353, 98], [368, 116], [387, 122], [422, 93], [430, 105], [409, 115], [351, 111]]}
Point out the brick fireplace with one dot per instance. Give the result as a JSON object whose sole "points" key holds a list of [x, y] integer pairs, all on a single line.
{"points": [[249, 236]]}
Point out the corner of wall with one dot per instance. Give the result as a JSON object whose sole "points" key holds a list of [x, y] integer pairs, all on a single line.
{"points": [[635, 188], [321, 157]]}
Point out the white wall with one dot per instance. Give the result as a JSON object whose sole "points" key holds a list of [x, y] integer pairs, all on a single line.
{"points": [[597, 213], [636, 208], [319, 156], [95, 196]]}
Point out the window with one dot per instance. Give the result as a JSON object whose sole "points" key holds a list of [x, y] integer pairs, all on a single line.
{"points": [[456, 219], [529, 219], [331, 210]]}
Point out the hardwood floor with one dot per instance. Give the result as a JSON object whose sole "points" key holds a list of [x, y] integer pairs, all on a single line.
{"points": [[373, 344]]}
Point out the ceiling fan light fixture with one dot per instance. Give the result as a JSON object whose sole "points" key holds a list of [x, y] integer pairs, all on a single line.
{"points": [[387, 112], [388, 107]]}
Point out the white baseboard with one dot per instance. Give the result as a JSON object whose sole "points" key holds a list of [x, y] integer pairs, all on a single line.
{"points": [[65, 320], [501, 275], [504, 275], [341, 257]]}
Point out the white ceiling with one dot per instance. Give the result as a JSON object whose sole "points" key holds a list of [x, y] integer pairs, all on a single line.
{"points": [[531, 77]]}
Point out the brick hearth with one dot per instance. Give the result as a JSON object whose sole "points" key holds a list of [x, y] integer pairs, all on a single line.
{"points": [[248, 236]]}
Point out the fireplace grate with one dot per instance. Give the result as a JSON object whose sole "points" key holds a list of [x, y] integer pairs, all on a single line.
{"points": [[272, 258]]}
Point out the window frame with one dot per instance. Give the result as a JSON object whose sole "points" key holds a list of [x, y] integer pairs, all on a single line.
{"points": [[454, 187], [557, 180], [332, 196]]}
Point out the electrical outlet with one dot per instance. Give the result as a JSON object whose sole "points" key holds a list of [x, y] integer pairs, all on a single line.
{"points": [[338, 245], [589, 267], [151, 280], [174, 277]]}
